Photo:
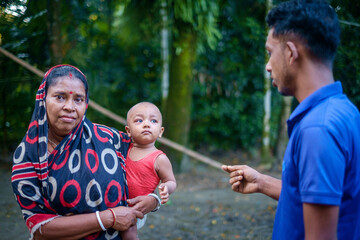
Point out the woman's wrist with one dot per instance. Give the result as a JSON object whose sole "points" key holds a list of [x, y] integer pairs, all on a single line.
{"points": [[114, 216], [98, 217], [158, 204], [107, 218]]}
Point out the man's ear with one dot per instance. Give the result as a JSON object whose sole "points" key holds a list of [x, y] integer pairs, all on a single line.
{"points": [[128, 131], [161, 132], [293, 52]]}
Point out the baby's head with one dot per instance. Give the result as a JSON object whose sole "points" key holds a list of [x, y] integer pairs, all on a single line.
{"points": [[144, 123]]}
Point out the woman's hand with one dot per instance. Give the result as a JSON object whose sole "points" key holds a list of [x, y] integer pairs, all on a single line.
{"points": [[144, 204], [125, 217]]}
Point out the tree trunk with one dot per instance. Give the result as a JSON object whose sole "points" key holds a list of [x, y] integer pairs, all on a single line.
{"points": [[178, 107], [164, 52], [266, 156], [4, 148], [282, 134], [54, 30]]}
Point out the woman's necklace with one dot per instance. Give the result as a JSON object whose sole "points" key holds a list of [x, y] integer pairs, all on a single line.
{"points": [[54, 145]]}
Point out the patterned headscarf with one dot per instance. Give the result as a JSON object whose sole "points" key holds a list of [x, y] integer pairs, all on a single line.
{"points": [[85, 172]]}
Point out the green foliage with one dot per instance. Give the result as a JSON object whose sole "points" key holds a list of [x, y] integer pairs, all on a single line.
{"points": [[17, 87], [117, 45], [120, 56], [347, 67], [228, 93], [201, 16]]}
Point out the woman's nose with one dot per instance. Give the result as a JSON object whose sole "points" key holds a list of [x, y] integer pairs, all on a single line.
{"points": [[69, 106]]}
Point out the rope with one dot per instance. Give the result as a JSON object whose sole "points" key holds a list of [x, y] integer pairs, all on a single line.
{"points": [[22, 62], [122, 120], [349, 23], [163, 140]]}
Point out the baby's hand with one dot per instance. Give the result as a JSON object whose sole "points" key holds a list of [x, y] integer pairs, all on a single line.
{"points": [[164, 193]]}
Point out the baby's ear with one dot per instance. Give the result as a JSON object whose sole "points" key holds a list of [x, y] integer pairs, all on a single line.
{"points": [[161, 132], [127, 128]]}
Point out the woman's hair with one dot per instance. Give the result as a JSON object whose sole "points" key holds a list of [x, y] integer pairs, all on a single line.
{"points": [[313, 22], [53, 75]]}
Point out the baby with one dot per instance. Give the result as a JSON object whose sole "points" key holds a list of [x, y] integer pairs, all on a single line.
{"points": [[146, 166]]}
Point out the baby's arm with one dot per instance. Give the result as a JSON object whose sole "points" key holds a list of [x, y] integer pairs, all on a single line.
{"points": [[168, 183], [130, 234]]}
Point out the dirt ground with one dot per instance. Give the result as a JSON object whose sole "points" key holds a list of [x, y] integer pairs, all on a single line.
{"points": [[203, 207]]}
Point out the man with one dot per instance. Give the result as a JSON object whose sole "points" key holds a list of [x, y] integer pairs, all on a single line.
{"points": [[319, 194]]}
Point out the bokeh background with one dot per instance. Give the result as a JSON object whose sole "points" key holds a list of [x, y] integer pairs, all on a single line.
{"points": [[201, 61]]}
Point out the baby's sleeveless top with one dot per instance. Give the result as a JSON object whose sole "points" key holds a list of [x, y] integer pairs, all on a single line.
{"points": [[142, 178]]}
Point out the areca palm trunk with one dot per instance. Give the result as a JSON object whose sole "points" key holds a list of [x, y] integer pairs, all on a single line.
{"points": [[178, 107], [164, 52], [283, 138], [54, 30], [266, 156]]}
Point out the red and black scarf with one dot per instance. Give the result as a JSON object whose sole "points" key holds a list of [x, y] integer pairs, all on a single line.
{"points": [[85, 172]]}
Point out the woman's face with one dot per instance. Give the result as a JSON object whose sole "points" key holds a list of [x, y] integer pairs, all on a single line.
{"points": [[65, 106]]}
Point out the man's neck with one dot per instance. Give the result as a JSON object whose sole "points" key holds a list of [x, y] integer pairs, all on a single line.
{"points": [[312, 77]]}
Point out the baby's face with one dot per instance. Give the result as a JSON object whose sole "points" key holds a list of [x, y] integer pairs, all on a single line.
{"points": [[144, 123]]}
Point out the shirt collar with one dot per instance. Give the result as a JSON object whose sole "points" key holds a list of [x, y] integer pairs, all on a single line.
{"points": [[313, 100]]}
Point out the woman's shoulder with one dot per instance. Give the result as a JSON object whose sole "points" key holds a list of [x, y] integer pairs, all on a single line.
{"points": [[110, 130], [105, 133]]}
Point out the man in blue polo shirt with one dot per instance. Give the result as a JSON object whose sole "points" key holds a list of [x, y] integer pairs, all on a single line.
{"points": [[319, 194]]}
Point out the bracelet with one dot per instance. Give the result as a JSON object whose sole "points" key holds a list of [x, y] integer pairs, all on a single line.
{"points": [[114, 215], [158, 200], [99, 221]]}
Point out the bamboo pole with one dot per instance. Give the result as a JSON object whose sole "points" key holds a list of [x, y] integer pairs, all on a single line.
{"points": [[22, 62], [120, 119], [163, 140], [106, 112]]}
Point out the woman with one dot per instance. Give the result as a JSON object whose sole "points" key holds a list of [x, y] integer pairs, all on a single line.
{"points": [[68, 173]]}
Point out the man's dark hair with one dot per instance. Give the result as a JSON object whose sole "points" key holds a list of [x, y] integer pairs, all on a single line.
{"points": [[314, 23]]}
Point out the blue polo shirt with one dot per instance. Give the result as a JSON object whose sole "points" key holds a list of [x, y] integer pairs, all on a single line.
{"points": [[321, 163]]}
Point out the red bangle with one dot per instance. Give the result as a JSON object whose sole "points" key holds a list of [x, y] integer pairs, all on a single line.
{"points": [[113, 213]]}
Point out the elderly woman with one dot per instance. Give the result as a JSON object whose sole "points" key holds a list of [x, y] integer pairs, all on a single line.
{"points": [[68, 173]]}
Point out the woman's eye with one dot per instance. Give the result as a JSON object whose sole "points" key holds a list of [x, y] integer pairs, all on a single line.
{"points": [[79, 100], [59, 97]]}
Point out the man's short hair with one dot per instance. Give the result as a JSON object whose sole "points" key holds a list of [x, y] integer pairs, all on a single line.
{"points": [[314, 23]]}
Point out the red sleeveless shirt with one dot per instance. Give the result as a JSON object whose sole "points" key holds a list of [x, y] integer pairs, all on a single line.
{"points": [[141, 175]]}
